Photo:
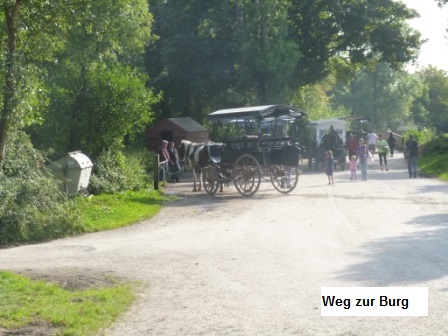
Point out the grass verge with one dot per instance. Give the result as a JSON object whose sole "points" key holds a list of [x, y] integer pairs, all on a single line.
{"points": [[111, 211], [25, 302], [434, 165]]}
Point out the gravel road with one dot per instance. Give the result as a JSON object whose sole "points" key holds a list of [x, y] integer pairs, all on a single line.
{"points": [[228, 265]]}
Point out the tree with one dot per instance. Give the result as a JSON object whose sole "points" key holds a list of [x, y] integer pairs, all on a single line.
{"points": [[31, 35], [97, 91], [434, 98], [381, 93], [50, 37], [361, 31], [228, 53]]}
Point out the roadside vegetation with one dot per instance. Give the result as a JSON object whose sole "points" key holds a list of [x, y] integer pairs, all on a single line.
{"points": [[94, 78], [433, 157], [58, 311]]}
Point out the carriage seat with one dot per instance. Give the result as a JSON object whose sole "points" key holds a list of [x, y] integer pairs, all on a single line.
{"points": [[215, 153]]}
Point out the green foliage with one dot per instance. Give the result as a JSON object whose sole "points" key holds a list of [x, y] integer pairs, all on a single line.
{"points": [[435, 164], [381, 93], [315, 100], [78, 312], [435, 145], [32, 207], [434, 98], [93, 110], [115, 172], [237, 53]]}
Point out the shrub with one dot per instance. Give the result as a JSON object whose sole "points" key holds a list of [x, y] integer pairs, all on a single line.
{"points": [[436, 146], [116, 172], [32, 207]]}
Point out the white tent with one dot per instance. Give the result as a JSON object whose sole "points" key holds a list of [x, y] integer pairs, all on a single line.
{"points": [[322, 127]]}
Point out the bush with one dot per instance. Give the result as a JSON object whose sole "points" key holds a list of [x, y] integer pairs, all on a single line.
{"points": [[116, 172], [32, 207], [436, 146]]}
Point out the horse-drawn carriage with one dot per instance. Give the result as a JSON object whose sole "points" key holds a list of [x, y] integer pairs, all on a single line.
{"points": [[245, 156], [327, 134]]}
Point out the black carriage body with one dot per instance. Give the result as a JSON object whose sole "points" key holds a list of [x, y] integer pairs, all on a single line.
{"points": [[276, 151], [278, 155]]}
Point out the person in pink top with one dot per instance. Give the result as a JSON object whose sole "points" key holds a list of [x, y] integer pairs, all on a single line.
{"points": [[353, 167]]}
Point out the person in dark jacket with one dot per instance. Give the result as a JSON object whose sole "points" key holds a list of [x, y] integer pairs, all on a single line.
{"points": [[411, 154], [391, 141], [174, 162]]}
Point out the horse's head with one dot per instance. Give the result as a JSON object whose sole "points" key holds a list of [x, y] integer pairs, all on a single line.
{"points": [[182, 150]]}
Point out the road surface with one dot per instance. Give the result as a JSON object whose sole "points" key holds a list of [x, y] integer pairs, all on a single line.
{"points": [[229, 265]]}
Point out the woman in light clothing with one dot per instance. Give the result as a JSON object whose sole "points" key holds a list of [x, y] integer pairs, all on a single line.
{"points": [[362, 154], [383, 151]]}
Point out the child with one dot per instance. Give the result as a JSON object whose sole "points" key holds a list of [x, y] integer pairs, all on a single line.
{"points": [[353, 167], [329, 164]]}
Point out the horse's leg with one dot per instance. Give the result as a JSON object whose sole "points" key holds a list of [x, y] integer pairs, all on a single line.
{"points": [[193, 170], [200, 180]]}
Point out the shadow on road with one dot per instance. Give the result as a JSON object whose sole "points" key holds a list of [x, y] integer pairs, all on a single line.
{"points": [[406, 259]]}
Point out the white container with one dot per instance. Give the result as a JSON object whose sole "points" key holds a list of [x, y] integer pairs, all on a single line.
{"points": [[73, 170]]}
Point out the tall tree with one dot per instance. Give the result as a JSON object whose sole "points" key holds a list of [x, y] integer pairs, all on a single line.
{"points": [[226, 53], [435, 97], [381, 93], [32, 32], [361, 31], [103, 54]]}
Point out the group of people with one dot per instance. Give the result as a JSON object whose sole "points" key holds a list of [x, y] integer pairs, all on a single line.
{"points": [[170, 158], [360, 152]]}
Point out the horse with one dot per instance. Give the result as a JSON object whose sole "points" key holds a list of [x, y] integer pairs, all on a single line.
{"points": [[196, 157]]}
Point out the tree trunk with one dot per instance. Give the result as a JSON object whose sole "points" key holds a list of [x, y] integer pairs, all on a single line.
{"points": [[9, 94]]}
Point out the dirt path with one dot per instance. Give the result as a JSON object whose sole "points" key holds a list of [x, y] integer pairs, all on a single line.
{"points": [[229, 265]]}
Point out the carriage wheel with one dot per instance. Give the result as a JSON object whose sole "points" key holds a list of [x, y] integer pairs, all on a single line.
{"points": [[210, 180], [284, 178], [246, 175]]}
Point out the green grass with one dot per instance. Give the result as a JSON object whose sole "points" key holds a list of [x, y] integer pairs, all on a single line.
{"points": [[434, 165], [106, 212], [24, 302]]}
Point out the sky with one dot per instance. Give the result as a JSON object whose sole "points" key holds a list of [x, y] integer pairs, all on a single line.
{"points": [[432, 24]]}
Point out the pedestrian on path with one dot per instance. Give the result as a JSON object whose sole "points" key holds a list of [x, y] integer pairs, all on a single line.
{"points": [[391, 141], [362, 154], [371, 141], [352, 144], [411, 154], [383, 151]]}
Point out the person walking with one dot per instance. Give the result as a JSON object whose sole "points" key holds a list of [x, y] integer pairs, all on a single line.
{"points": [[411, 150], [329, 166], [352, 144], [371, 141], [383, 151], [362, 154], [391, 141]]}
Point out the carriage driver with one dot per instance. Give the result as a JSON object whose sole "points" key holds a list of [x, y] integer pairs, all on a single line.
{"points": [[331, 140]]}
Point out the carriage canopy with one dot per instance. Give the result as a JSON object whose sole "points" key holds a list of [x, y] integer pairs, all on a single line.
{"points": [[257, 113]]}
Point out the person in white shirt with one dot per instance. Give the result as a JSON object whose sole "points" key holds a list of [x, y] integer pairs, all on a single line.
{"points": [[371, 138]]}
